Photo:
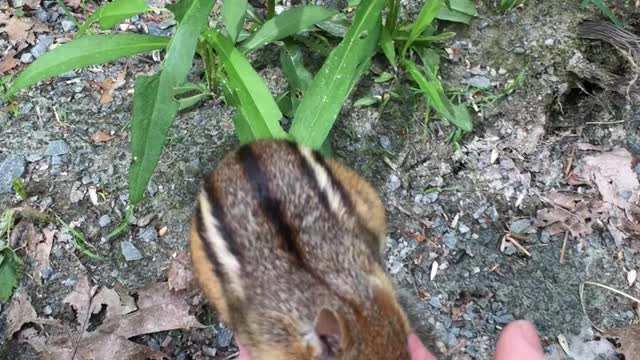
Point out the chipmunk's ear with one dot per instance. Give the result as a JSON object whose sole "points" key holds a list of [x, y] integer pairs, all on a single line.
{"points": [[328, 336]]}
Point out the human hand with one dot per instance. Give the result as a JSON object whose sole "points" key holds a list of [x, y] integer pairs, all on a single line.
{"points": [[518, 340]]}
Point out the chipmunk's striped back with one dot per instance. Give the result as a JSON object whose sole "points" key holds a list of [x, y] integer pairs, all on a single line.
{"points": [[279, 234]]}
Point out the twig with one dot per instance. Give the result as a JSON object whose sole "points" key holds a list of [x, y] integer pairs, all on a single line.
{"points": [[584, 308], [518, 236], [605, 122], [567, 170], [518, 246], [564, 247]]}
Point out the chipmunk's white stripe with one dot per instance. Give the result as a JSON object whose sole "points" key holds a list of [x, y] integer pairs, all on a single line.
{"points": [[324, 182], [227, 261]]}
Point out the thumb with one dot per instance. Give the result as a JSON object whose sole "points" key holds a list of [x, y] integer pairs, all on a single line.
{"points": [[519, 340]]}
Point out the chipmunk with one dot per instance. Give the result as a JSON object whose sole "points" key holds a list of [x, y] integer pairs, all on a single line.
{"points": [[287, 246]]}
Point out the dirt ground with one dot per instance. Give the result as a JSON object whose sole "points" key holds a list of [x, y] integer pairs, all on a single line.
{"points": [[444, 207]]}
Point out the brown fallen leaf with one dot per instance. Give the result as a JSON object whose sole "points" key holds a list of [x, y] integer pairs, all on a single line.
{"points": [[8, 62], [109, 85], [180, 274], [20, 313], [100, 346], [33, 4], [39, 248], [101, 136], [629, 338], [73, 3], [17, 28]]}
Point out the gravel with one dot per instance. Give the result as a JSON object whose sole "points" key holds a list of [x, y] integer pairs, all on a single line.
{"points": [[57, 148], [129, 251], [42, 46], [10, 168]]}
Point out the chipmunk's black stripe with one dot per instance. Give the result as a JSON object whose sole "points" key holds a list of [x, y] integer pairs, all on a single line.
{"points": [[217, 268], [271, 207], [348, 203], [371, 238], [311, 176], [223, 227]]}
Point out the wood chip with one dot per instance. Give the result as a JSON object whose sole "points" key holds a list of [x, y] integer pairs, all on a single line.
{"points": [[564, 247], [163, 231], [518, 246], [101, 136]]}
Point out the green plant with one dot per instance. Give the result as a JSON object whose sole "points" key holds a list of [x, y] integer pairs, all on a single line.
{"points": [[18, 187], [79, 241], [313, 102], [506, 5], [603, 9], [11, 266]]}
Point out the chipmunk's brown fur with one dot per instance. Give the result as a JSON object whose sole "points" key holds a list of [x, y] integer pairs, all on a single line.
{"points": [[287, 246]]}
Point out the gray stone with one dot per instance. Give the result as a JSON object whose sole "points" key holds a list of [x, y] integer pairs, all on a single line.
{"points": [[479, 82], [152, 188], [638, 169], [209, 351], [42, 15], [57, 148], [34, 157], [463, 228], [10, 168], [25, 107], [47, 310], [104, 221], [27, 58], [520, 226], [149, 234], [519, 50], [56, 160], [68, 25], [42, 46], [129, 251], [435, 302], [17, 3], [430, 197], [385, 142], [394, 183], [224, 337], [504, 319], [493, 213], [450, 240]]}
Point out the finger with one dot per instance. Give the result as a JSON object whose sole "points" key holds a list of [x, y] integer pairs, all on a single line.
{"points": [[519, 340], [417, 350], [244, 354]]}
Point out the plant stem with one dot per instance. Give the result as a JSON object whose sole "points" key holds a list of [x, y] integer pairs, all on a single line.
{"points": [[271, 9]]}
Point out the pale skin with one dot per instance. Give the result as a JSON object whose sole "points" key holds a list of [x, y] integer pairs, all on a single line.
{"points": [[519, 340]]}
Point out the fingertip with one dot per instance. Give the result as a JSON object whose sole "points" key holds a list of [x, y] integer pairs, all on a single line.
{"points": [[417, 350], [519, 340]]}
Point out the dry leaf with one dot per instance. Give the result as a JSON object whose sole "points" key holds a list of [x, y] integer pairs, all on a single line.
{"points": [[107, 91], [629, 338], [101, 346], [20, 312], [8, 62], [73, 3], [180, 274], [39, 250], [419, 237], [17, 28], [101, 136], [80, 300], [33, 4]]}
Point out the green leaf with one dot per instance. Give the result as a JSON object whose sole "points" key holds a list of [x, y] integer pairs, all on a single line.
{"points": [[288, 23], [233, 12], [464, 6], [388, 47], [18, 187], [425, 18], [425, 40], [454, 16], [10, 273], [433, 92], [110, 14], [154, 108], [6, 223], [604, 9], [367, 101], [337, 77], [85, 51], [337, 25], [298, 77], [384, 77], [258, 114]]}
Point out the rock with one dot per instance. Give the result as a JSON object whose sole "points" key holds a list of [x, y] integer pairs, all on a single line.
{"points": [[479, 82], [430, 198], [10, 168], [149, 234], [129, 251], [68, 25], [385, 142], [27, 58], [17, 3], [549, 42], [209, 351], [638, 169], [519, 50], [394, 183], [57, 148], [520, 226], [435, 302], [34, 157], [224, 337], [493, 213], [104, 221], [463, 228], [152, 188], [42, 46], [47, 310], [450, 240], [42, 15], [25, 107]]}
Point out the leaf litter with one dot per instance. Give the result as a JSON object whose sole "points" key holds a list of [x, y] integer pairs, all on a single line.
{"points": [[611, 174], [105, 319]]}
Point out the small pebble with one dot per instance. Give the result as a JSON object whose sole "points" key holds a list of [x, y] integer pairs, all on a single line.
{"points": [[27, 58], [209, 351], [57, 148], [430, 197], [129, 251], [68, 25], [47, 310], [42, 46], [10, 168], [519, 50], [394, 183], [385, 142], [549, 42], [520, 226], [479, 82], [34, 157], [149, 234], [163, 231], [104, 221], [224, 337], [56, 160], [638, 169], [463, 228], [435, 302], [450, 240], [152, 188], [42, 15]]}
